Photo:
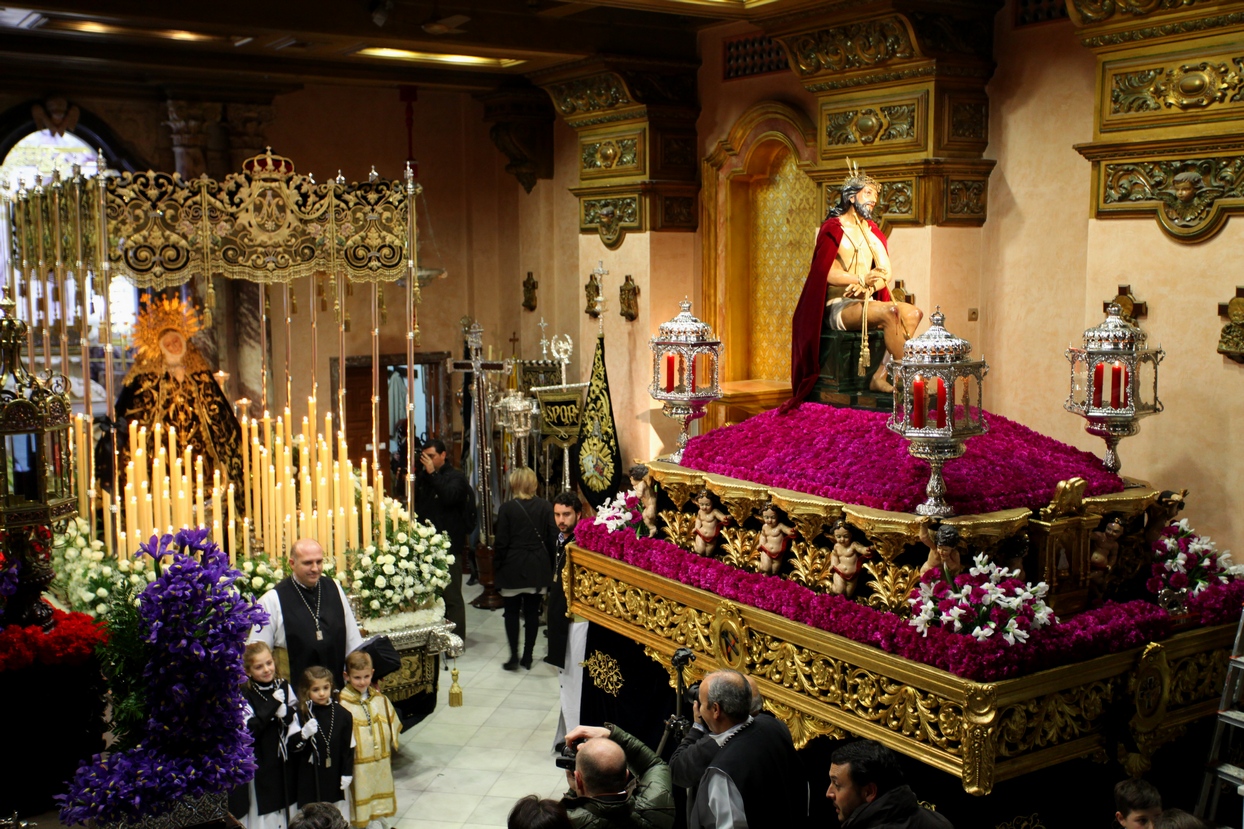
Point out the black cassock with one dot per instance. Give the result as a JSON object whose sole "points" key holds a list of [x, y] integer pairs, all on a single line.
{"points": [[298, 617], [274, 779], [321, 760]]}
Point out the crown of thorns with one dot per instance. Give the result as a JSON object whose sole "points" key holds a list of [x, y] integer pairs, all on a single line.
{"points": [[858, 178]]}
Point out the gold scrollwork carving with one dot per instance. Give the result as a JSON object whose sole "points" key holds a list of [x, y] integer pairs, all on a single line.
{"points": [[1052, 719], [740, 547], [678, 526], [872, 697], [1190, 196], [605, 672], [892, 585], [591, 94], [967, 198], [1099, 11], [1184, 87], [854, 46], [611, 217], [804, 727]]}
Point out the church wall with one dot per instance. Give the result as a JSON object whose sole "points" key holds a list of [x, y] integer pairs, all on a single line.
{"points": [[1047, 269]]}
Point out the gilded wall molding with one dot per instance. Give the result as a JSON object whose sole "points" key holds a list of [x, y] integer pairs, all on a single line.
{"points": [[614, 210], [1102, 11], [923, 192], [1191, 196]]}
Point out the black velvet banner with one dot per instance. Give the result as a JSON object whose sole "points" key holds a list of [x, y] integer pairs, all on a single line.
{"points": [[622, 685]]}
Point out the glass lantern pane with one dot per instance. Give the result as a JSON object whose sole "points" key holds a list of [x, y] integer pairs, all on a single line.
{"points": [[1080, 385], [60, 475], [1146, 385], [21, 457], [969, 400]]}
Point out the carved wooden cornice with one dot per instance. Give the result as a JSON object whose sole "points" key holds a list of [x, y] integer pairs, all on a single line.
{"points": [[1170, 111], [609, 90], [613, 210], [1113, 24], [522, 129], [923, 192], [838, 50], [638, 151]]}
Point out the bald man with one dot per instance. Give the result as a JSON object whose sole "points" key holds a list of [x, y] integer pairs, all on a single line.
{"points": [[753, 779], [312, 620], [604, 797]]}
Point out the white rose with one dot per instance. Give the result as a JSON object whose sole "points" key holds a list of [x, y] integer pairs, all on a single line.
{"points": [[375, 604], [102, 593], [71, 553], [366, 562], [405, 551], [88, 596], [101, 609], [151, 576], [256, 582], [389, 569], [364, 592], [388, 594], [380, 582], [358, 575], [135, 579], [410, 592], [123, 565], [401, 538], [107, 571]]}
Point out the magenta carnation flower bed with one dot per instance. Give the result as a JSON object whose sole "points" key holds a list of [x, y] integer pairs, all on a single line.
{"points": [[1108, 629], [849, 455]]}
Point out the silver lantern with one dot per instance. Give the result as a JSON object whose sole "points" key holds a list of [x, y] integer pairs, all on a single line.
{"points": [[685, 358], [937, 403], [1114, 381]]}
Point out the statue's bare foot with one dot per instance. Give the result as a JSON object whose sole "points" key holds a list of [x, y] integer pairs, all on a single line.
{"points": [[880, 383]]}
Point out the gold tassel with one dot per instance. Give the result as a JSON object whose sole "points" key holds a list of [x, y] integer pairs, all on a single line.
{"points": [[455, 691]]}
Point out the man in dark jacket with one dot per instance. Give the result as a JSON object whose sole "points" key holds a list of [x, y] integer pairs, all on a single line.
{"points": [[754, 779], [442, 495], [603, 798], [867, 789], [566, 509]]}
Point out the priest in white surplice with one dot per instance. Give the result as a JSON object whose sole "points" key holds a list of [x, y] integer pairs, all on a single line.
{"points": [[309, 616]]}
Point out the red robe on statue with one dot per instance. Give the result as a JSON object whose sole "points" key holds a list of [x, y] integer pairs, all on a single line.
{"points": [[805, 339]]}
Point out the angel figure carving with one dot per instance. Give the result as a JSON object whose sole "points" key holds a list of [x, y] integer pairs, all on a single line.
{"points": [[1189, 199]]}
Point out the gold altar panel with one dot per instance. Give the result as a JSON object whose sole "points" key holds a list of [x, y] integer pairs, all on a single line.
{"points": [[981, 732], [785, 213]]}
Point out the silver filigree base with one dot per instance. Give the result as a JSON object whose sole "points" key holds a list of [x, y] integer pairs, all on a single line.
{"points": [[936, 453], [188, 811], [686, 414], [1112, 431]]}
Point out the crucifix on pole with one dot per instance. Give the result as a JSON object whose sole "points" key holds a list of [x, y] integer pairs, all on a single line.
{"points": [[478, 367]]}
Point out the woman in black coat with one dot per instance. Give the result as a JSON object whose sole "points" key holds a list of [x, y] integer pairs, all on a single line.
{"points": [[525, 538]]}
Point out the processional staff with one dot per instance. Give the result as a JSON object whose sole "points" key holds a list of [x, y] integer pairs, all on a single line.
{"points": [[476, 366]]}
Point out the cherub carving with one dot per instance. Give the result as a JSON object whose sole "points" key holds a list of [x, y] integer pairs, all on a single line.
{"points": [[773, 540], [708, 523], [845, 560], [56, 115], [641, 485], [943, 544], [1188, 201], [1105, 551]]}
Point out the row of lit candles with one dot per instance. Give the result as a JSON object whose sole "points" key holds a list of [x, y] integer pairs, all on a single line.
{"points": [[283, 502]]}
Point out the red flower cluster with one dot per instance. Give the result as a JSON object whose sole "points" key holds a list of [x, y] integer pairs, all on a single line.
{"points": [[70, 642], [849, 455], [1108, 629]]}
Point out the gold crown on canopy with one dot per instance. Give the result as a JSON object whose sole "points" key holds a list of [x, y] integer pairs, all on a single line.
{"points": [[858, 178], [156, 316], [268, 166]]}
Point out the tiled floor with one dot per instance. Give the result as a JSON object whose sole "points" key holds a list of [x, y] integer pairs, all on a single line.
{"points": [[465, 767]]}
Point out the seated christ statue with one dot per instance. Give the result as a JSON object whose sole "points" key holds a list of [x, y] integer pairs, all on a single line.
{"points": [[849, 279]]}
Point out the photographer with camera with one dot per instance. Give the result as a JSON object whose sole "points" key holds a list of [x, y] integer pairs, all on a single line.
{"points": [[753, 778], [602, 796]]}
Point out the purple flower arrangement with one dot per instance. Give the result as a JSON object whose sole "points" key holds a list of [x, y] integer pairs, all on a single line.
{"points": [[1187, 561], [194, 741], [1108, 629], [849, 455], [984, 601]]}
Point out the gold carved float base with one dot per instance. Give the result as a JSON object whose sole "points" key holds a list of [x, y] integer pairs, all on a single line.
{"points": [[819, 683]]}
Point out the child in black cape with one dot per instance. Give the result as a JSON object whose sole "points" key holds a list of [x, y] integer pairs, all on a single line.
{"points": [[322, 749], [263, 803]]}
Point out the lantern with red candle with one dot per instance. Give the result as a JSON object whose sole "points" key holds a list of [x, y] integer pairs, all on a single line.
{"points": [[685, 357], [1114, 381], [928, 412]]}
